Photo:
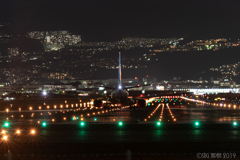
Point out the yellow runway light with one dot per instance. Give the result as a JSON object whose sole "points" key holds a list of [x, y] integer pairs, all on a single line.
{"points": [[4, 132], [33, 131], [5, 138], [18, 131]]}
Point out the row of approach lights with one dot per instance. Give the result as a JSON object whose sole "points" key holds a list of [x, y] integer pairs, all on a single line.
{"points": [[55, 107], [74, 117], [33, 131], [88, 104], [18, 131], [214, 104], [193, 100], [197, 123], [64, 118], [161, 114], [151, 114], [225, 105], [174, 119], [44, 124], [82, 124]]}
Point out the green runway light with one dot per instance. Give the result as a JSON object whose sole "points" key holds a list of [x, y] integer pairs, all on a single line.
{"points": [[196, 123], [159, 123], [6, 124], [44, 124], [120, 123], [235, 123], [95, 119], [82, 123], [77, 117]]}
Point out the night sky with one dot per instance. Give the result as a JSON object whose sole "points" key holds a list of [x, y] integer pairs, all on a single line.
{"points": [[108, 20]]}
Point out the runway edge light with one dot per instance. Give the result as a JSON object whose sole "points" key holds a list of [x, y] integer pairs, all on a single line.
{"points": [[44, 124], [82, 124], [196, 123], [235, 123], [6, 124], [120, 123]]}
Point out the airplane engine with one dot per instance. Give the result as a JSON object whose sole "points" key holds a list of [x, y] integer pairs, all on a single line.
{"points": [[97, 103], [141, 103]]}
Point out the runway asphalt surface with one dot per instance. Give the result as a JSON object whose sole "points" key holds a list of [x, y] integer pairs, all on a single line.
{"points": [[104, 138]]}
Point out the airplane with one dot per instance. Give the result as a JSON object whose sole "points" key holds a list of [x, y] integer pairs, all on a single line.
{"points": [[119, 94]]}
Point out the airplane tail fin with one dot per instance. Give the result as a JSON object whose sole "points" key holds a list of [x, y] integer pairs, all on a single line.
{"points": [[119, 73]]}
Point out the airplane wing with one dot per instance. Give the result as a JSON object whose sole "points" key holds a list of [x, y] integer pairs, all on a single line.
{"points": [[109, 87], [136, 86], [88, 89]]}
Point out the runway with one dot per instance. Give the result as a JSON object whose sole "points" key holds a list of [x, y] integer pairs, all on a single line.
{"points": [[101, 133]]}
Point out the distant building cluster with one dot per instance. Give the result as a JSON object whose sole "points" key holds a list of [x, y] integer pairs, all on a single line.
{"points": [[227, 70], [227, 73], [128, 43], [184, 85], [13, 51], [56, 75], [55, 40], [199, 45], [213, 44], [66, 58]]}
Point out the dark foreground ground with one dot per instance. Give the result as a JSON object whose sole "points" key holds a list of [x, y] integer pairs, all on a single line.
{"points": [[110, 141]]}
